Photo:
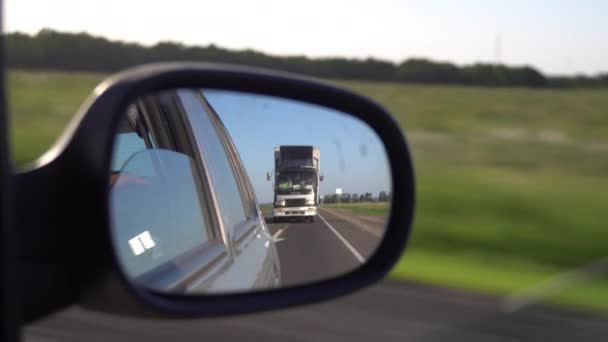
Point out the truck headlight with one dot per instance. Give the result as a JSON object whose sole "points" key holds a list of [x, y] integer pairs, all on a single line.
{"points": [[310, 202], [280, 203]]}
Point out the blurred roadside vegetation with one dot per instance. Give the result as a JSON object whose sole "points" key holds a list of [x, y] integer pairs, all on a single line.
{"points": [[379, 209], [41, 104], [512, 186], [49, 49]]}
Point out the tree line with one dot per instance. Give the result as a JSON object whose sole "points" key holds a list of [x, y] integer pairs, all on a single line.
{"points": [[49, 49], [383, 196]]}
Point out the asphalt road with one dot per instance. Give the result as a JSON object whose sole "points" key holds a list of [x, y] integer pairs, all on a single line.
{"points": [[328, 247], [390, 311]]}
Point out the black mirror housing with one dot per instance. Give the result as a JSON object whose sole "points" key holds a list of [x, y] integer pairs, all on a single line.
{"points": [[67, 252]]}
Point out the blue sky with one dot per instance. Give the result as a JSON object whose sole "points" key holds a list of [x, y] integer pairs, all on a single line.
{"points": [[556, 36], [352, 156]]}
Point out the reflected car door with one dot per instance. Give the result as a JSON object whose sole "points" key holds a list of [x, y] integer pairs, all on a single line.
{"points": [[169, 232], [256, 263], [269, 275]]}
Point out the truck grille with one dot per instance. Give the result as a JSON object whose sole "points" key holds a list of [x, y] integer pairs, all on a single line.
{"points": [[297, 202]]}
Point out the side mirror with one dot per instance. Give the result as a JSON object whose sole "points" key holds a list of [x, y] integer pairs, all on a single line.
{"points": [[131, 180]]}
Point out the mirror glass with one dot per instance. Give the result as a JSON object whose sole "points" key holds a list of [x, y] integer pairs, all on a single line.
{"points": [[215, 191]]}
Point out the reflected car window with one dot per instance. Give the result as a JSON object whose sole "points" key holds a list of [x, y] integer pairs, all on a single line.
{"points": [[157, 210], [220, 169], [127, 144]]}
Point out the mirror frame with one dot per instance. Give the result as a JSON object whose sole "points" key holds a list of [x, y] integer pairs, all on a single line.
{"points": [[67, 188]]}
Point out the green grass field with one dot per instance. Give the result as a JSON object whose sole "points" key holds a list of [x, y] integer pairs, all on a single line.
{"points": [[511, 182], [266, 208], [363, 208], [41, 105]]}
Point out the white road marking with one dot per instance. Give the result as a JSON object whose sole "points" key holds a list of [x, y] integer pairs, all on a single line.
{"points": [[276, 235], [377, 232], [344, 241]]}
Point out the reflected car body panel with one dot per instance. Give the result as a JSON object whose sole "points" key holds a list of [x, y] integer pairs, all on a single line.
{"points": [[230, 260], [256, 262]]}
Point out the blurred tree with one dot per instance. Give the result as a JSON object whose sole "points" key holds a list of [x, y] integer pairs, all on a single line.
{"points": [[426, 71], [382, 196], [346, 198], [49, 49], [331, 198]]}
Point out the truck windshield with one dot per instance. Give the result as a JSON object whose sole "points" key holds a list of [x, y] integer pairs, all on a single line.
{"points": [[296, 183]]}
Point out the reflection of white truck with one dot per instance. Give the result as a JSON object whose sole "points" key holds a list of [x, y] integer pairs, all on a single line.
{"points": [[296, 182]]}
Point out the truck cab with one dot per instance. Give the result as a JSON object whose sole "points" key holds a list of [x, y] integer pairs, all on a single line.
{"points": [[296, 182]]}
